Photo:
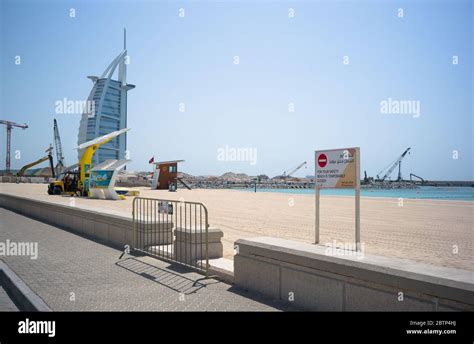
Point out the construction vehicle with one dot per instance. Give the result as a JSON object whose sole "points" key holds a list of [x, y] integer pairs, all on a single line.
{"points": [[10, 126], [367, 179], [77, 182], [392, 165], [39, 161], [414, 175], [59, 149], [67, 183], [293, 171]]}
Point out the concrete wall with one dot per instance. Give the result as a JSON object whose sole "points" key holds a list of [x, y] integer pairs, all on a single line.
{"points": [[112, 230], [117, 231], [190, 247], [306, 275], [25, 179]]}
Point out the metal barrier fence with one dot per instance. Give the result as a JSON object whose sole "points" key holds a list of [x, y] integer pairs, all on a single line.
{"points": [[172, 230]]}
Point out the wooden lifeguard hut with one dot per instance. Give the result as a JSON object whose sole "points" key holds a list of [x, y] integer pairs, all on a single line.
{"points": [[165, 175]]}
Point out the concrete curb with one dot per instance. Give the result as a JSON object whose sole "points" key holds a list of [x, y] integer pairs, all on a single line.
{"points": [[22, 295]]}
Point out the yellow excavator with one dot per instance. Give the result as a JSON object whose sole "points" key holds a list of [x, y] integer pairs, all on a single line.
{"points": [[49, 157], [77, 182]]}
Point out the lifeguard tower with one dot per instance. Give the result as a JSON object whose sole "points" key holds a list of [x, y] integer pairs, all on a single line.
{"points": [[165, 176]]}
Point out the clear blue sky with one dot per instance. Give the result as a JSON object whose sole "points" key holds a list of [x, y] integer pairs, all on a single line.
{"points": [[282, 60]]}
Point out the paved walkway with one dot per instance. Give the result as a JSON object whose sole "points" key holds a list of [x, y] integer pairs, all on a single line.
{"points": [[6, 303], [73, 273]]}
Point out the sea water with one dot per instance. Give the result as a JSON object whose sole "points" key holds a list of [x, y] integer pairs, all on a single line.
{"points": [[422, 192]]}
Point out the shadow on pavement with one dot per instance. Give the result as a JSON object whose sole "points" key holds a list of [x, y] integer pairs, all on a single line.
{"points": [[165, 277]]}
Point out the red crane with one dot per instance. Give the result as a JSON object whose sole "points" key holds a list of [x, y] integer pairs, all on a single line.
{"points": [[10, 126]]}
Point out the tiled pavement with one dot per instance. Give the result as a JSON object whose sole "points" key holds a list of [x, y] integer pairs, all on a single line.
{"points": [[6, 303], [74, 273]]}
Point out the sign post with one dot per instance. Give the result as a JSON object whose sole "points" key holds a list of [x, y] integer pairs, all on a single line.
{"points": [[357, 201], [317, 215], [338, 169]]}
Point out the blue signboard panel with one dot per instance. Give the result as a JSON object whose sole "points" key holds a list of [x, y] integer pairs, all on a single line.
{"points": [[101, 179]]}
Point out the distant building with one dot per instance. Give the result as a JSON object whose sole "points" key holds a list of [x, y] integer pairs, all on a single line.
{"points": [[109, 110]]}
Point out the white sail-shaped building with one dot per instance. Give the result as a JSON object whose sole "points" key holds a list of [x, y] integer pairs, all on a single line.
{"points": [[109, 110]]}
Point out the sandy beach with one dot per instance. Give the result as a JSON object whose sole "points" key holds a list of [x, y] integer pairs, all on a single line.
{"points": [[429, 231]]}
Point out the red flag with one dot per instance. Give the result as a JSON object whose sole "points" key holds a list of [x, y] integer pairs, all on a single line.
{"points": [[152, 160]]}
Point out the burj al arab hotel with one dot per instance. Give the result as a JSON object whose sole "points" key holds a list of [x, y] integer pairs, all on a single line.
{"points": [[109, 110]]}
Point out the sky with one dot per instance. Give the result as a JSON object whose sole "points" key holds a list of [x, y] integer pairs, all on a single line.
{"points": [[311, 75]]}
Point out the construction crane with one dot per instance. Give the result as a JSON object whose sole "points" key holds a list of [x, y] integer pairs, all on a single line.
{"points": [[10, 125], [59, 149], [398, 162], [287, 175]]}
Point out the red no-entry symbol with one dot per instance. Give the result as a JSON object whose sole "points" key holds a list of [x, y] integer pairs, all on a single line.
{"points": [[322, 160]]}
